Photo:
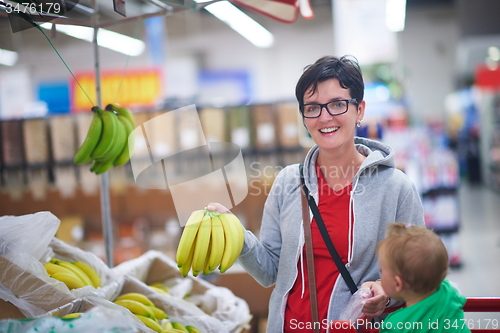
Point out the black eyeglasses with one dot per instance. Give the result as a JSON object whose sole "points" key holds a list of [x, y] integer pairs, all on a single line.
{"points": [[334, 108]]}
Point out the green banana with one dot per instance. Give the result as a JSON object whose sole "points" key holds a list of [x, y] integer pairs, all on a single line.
{"points": [[149, 322], [179, 326], [106, 142], [124, 155], [91, 140], [106, 162], [122, 111], [192, 329]]}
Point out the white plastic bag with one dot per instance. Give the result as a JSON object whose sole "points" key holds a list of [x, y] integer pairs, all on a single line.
{"points": [[27, 234], [222, 304], [101, 318], [26, 243], [210, 308], [354, 309], [109, 281]]}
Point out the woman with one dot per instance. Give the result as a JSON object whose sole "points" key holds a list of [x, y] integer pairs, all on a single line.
{"points": [[358, 191]]}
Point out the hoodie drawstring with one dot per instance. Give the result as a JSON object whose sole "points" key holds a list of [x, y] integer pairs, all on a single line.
{"points": [[302, 273], [351, 222]]}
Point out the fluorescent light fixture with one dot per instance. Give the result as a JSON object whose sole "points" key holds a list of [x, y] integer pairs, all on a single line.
{"points": [[494, 53], [395, 15], [105, 38], [8, 58], [241, 23]]}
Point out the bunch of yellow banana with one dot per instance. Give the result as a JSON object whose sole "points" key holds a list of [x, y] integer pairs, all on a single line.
{"points": [[159, 288], [176, 327], [109, 139], [74, 274], [143, 308], [209, 240]]}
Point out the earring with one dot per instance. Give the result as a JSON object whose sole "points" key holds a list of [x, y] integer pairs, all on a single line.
{"points": [[359, 123]]}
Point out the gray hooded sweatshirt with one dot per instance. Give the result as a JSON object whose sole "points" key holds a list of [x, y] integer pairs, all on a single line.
{"points": [[381, 194]]}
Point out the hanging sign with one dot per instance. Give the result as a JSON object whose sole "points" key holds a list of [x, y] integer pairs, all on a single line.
{"points": [[119, 7], [138, 88]]}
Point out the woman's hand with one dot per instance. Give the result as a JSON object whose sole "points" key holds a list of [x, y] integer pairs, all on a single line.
{"points": [[375, 305], [217, 207]]}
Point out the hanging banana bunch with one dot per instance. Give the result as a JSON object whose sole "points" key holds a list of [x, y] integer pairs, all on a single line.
{"points": [[109, 140], [209, 240]]}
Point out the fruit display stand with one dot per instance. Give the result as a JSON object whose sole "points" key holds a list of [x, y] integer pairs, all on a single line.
{"points": [[27, 243], [96, 22], [98, 315], [208, 307]]}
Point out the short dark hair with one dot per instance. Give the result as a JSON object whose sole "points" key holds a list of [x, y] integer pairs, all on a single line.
{"points": [[344, 69]]}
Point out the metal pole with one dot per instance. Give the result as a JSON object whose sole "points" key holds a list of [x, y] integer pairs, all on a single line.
{"points": [[107, 230]]}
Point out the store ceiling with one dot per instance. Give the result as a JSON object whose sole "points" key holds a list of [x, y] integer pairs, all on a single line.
{"points": [[477, 21]]}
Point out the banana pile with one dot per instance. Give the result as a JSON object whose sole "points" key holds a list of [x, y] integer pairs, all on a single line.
{"points": [[153, 317], [108, 141], [209, 240], [74, 274], [159, 288]]}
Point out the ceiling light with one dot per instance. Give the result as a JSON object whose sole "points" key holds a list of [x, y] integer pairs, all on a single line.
{"points": [[105, 38], [8, 58], [494, 53], [395, 14], [241, 23]]}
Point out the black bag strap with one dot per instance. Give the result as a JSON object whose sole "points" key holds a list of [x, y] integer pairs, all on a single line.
{"points": [[321, 225]]}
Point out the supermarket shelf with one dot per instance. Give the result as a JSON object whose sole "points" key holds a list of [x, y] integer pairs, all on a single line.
{"points": [[441, 191]]}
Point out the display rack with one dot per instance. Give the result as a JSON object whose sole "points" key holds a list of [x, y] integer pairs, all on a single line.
{"points": [[164, 8]]}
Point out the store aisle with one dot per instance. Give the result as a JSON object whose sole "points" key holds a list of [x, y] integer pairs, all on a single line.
{"points": [[479, 274], [479, 242]]}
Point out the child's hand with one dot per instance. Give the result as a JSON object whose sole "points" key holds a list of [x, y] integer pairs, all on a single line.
{"points": [[375, 305]]}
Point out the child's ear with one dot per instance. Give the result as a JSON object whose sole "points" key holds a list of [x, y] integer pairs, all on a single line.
{"points": [[399, 283]]}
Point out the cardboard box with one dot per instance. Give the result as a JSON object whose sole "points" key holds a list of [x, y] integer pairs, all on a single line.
{"points": [[264, 126], [10, 311], [240, 124], [228, 314], [288, 123], [213, 121], [27, 286], [31, 294], [62, 133], [35, 136]]}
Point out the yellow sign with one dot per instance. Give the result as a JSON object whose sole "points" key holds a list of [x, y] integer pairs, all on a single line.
{"points": [[139, 88]]}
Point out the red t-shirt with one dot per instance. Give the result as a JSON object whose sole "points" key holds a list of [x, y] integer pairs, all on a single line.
{"points": [[334, 209]]}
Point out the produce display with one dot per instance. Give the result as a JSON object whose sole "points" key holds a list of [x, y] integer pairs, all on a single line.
{"points": [[74, 274], [159, 288], [153, 317], [140, 295], [209, 240], [109, 139]]}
